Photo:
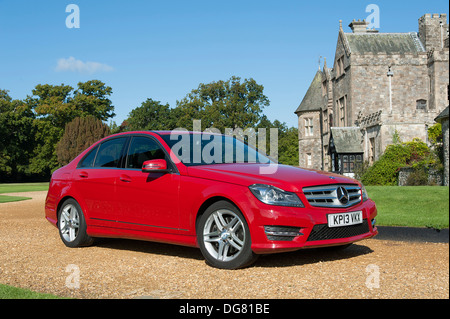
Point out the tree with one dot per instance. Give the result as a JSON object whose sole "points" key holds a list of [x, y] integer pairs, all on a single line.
{"points": [[16, 137], [223, 104], [57, 105], [53, 103], [91, 98], [151, 115], [60, 104], [79, 134]]}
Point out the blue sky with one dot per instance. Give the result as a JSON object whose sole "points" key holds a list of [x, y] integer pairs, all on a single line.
{"points": [[164, 49]]}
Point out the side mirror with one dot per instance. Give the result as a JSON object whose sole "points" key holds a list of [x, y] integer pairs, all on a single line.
{"points": [[155, 166]]}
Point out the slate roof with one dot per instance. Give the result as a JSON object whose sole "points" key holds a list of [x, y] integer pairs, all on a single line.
{"points": [[442, 115], [347, 139], [313, 100], [388, 43]]}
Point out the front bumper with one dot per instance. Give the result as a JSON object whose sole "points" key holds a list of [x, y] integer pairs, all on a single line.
{"points": [[278, 229]]}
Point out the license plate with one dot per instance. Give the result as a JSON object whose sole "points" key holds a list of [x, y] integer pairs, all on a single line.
{"points": [[345, 219]]}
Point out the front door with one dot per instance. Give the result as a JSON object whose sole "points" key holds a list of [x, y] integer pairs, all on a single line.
{"points": [[147, 201]]}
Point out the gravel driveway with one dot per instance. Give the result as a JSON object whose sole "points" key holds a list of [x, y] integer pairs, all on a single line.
{"points": [[32, 256]]}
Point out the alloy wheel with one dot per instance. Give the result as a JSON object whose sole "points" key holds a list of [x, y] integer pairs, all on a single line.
{"points": [[69, 223], [224, 235]]}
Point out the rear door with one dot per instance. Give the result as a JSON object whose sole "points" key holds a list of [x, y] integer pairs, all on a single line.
{"points": [[95, 179]]}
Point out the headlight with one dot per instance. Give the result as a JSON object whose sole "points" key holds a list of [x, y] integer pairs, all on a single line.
{"points": [[364, 193], [274, 196]]}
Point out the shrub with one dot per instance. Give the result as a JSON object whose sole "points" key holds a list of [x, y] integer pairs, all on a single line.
{"points": [[414, 154], [79, 134], [418, 177]]}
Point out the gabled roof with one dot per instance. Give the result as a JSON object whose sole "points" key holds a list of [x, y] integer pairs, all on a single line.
{"points": [[346, 139], [388, 43], [313, 100]]}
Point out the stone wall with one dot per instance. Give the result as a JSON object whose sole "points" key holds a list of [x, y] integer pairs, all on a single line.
{"points": [[433, 30], [434, 177], [445, 133], [438, 70], [310, 144]]}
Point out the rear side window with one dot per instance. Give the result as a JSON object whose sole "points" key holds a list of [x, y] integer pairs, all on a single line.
{"points": [[88, 161], [109, 153]]}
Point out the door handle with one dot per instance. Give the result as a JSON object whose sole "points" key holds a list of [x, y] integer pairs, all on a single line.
{"points": [[83, 174], [125, 178]]}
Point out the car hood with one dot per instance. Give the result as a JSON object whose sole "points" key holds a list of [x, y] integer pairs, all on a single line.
{"points": [[288, 178]]}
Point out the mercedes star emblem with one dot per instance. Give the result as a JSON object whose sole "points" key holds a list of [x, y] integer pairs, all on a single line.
{"points": [[342, 195]]}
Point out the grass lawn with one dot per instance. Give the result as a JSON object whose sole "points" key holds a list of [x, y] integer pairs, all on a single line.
{"points": [[8, 292], [22, 187], [7, 199], [414, 206], [19, 188]]}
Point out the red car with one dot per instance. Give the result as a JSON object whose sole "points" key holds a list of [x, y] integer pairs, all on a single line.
{"points": [[204, 190]]}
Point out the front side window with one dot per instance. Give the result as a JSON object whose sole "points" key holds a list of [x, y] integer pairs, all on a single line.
{"points": [[206, 149], [109, 153], [143, 149]]}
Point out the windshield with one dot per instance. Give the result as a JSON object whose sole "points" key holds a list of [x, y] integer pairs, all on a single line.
{"points": [[205, 149]]}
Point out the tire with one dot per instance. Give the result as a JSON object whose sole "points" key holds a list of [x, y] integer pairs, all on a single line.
{"points": [[72, 225], [224, 237]]}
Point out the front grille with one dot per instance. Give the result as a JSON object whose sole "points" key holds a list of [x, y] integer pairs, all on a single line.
{"points": [[323, 232], [282, 233], [337, 196]]}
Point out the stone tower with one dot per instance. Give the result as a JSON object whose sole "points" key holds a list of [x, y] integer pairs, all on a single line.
{"points": [[433, 30]]}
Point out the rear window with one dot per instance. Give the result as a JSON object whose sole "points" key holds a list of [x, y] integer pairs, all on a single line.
{"points": [[88, 160], [109, 153]]}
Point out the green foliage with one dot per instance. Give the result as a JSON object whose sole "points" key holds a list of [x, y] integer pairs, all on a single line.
{"points": [[30, 129], [151, 115], [223, 104], [415, 154], [435, 133], [16, 137]]}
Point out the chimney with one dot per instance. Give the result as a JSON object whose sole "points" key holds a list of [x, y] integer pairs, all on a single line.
{"points": [[359, 26]]}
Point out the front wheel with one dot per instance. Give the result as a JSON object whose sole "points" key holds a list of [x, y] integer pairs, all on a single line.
{"points": [[224, 237]]}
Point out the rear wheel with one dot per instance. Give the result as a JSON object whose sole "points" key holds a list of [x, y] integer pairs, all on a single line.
{"points": [[224, 237], [72, 225]]}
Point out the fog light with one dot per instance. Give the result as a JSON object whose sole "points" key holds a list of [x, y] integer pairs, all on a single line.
{"points": [[283, 233]]}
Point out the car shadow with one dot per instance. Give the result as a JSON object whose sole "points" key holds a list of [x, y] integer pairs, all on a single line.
{"points": [[288, 259], [311, 256], [149, 247]]}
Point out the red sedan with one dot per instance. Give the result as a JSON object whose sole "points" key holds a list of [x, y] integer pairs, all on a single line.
{"points": [[204, 190]]}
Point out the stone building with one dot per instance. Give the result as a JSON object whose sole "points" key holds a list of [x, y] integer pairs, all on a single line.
{"points": [[381, 85]]}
